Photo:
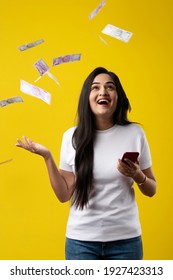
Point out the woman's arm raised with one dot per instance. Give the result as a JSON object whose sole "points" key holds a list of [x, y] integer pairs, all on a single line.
{"points": [[62, 181]]}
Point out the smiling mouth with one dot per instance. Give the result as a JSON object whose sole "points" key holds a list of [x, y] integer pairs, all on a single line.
{"points": [[103, 102]]}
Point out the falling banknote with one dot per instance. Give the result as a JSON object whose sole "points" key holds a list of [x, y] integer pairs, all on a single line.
{"points": [[43, 68], [30, 45], [104, 41], [11, 100], [66, 58], [95, 12], [117, 33], [35, 91], [8, 160]]}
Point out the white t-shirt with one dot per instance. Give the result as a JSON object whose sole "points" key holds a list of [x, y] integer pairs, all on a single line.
{"points": [[112, 213]]}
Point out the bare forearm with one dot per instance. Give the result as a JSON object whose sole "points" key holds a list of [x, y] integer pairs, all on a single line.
{"points": [[146, 184], [149, 187], [61, 183], [58, 183]]}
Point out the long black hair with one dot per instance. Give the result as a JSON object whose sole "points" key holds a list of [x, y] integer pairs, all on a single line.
{"points": [[83, 137]]}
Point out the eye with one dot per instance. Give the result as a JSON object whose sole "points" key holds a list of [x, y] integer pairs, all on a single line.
{"points": [[94, 88], [111, 87]]}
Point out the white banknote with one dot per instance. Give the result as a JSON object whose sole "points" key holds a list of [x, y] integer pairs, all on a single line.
{"points": [[41, 66], [11, 100], [95, 12], [35, 91], [66, 58], [30, 45], [117, 33]]}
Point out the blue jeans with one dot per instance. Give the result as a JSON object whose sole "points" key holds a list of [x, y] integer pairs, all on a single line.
{"points": [[128, 249]]}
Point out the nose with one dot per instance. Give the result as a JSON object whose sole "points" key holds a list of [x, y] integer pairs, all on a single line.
{"points": [[103, 92]]}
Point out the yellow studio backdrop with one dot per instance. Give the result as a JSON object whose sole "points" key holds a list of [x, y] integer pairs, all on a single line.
{"points": [[32, 220]]}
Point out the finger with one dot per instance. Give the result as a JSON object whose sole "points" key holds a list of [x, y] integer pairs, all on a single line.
{"points": [[23, 144], [25, 139], [125, 169], [30, 142], [19, 143], [122, 163], [32, 145], [126, 166], [124, 172], [122, 167], [129, 162]]}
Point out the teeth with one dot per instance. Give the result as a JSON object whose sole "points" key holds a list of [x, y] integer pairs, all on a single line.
{"points": [[103, 101]]}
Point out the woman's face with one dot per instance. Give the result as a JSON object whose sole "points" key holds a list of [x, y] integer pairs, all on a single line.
{"points": [[103, 97]]}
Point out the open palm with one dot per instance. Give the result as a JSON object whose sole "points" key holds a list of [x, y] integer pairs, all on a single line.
{"points": [[32, 147]]}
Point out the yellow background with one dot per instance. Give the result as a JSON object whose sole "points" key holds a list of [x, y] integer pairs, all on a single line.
{"points": [[32, 220]]}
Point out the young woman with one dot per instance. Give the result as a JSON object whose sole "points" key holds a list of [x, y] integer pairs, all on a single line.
{"points": [[103, 221]]}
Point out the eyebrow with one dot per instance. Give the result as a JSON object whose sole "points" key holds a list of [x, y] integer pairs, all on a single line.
{"points": [[105, 83]]}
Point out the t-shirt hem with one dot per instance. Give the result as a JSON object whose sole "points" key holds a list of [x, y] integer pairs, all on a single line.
{"points": [[103, 239]]}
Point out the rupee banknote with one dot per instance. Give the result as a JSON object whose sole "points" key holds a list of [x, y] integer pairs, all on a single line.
{"points": [[30, 45], [95, 12], [11, 100], [117, 33], [66, 58], [34, 91], [43, 69], [41, 66]]}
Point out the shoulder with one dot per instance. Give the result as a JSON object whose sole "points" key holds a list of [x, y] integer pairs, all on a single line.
{"points": [[69, 132], [131, 130], [134, 128]]}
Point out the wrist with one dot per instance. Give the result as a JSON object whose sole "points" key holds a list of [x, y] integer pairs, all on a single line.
{"points": [[139, 178], [142, 182], [47, 155]]}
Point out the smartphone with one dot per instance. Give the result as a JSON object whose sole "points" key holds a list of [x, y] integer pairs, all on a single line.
{"points": [[133, 156]]}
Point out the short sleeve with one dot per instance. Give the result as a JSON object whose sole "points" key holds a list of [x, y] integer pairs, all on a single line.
{"points": [[145, 160], [67, 152]]}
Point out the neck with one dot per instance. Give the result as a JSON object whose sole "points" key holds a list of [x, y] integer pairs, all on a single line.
{"points": [[102, 124]]}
